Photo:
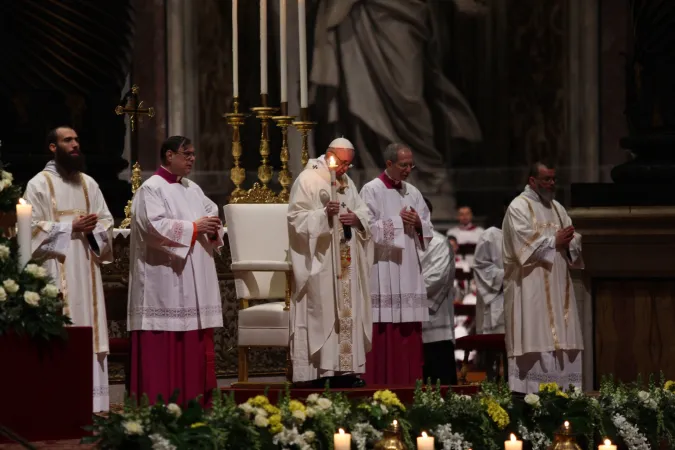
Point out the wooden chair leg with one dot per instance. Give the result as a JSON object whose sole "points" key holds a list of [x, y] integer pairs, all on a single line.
{"points": [[243, 364], [465, 368]]}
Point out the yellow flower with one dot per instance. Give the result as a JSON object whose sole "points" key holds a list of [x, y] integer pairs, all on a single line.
{"points": [[270, 409], [258, 400], [561, 394], [295, 405], [197, 425], [275, 424], [496, 412], [549, 387], [669, 386], [388, 398]]}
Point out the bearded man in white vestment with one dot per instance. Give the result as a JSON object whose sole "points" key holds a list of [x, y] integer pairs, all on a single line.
{"points": [[401, 226], [331, 320], [72, 236], [174, 296], [543, 332]]}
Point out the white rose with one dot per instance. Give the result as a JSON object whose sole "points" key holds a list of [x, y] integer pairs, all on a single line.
{"points": [[384, 409], [32, 298], [311, 412], [3, 295], [260, 412], [36, 271], [532, 399], [312, 398], [7, 176], [172, 408], [300, 415], [309, 435], [261, 421], [643, 396], [4, 252], [324, 403], [132, 427], [247, 408], [10, 286], [51, 291]]}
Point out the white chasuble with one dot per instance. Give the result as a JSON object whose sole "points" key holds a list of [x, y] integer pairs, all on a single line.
{"points": [[543, 331], [173, 285], [397, 287], [329, 336], [488, 272], [73, 260]]}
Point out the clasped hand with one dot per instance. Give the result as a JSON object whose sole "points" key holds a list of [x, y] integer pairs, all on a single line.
{"points": [[209, 225], [349, 218], [85, 224], [410, 217], [564, 236]]}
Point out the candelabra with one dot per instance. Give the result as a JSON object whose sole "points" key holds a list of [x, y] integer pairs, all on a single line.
{"points": [[136, 181], [260, 192], [235, 119], [285, 176], [304, 126]]}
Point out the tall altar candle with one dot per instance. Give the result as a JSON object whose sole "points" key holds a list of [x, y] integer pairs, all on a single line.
{"points": [[302, 35], [24, 216], [263, 46], [283, 63], [235, 50]]}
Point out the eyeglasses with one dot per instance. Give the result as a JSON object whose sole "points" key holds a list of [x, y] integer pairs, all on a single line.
{"points": [[187, 155], [405, 166], [341, 163], [547, 179]]}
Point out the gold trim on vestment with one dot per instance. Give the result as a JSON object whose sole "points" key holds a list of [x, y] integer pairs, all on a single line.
{"points": [[567, 278], [61, 266], [92, 269], [345, 316]]}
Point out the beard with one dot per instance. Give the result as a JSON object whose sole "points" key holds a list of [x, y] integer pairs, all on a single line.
{"points": [[70, 164], [545, 195]]}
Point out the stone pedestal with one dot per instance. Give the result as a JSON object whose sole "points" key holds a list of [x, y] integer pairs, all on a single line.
{"points": [[626, 294]]}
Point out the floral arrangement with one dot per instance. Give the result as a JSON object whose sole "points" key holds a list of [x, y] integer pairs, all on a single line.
{"points": [[638, 417], [29, 303], [9, 192]]}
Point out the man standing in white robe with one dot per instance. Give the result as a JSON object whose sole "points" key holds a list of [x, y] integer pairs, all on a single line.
{"points": [[174, 295], [438, 269], [72, 236], [331, 322], [400, 225], [543, 332]]}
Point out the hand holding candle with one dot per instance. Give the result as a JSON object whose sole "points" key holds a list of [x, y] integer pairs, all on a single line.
{"points": [[24, 217], [342, 440], [607, 445], [513, 443], [425, 442]]}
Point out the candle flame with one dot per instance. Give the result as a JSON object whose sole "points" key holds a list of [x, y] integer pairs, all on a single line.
{"points": [[395, 422], [341, 431], [608, 442], [513, 437], [22, 202], [567, 424], [424, 434], [331, 162]]}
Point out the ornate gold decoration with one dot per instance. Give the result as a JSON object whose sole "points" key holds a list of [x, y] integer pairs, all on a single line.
{"points": [[391, 440], [304, 126], [235, 119], [564, 439], [133, 107], [136, 182], [285, 175]]}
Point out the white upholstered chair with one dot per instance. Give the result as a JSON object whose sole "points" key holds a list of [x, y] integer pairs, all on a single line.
{"points": [[258, 235]]}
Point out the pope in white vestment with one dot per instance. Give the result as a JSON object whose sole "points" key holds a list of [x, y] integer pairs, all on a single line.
{"points": [[62, 205], [174, 295], [400, 225], [331, 322], [543, 332]]}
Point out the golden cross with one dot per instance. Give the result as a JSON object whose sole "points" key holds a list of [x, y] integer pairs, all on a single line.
{"points": [[134, 106]]}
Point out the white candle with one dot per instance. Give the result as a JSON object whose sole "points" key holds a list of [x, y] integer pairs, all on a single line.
{"points": [[235, 50], [24, 216], [425, 442], [302, 35], [342, 440], [513, 443], [263, 46], [608, 445], [332, 165], [283, 51]]}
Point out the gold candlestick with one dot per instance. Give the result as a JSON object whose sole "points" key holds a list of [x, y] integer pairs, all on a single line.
{"points": [[136, 181], [285, 175], [260, 192], [304, 126], [235, 119]]}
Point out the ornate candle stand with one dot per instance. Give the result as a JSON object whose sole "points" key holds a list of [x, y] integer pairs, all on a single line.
{"points": [[235, 119], [136, 181], [260, 192], [285, 175], [304, 126]]}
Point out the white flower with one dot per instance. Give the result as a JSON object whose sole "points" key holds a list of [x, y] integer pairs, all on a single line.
{"points": [[313, 398], [50, 291], [630, 434], [324, 403], [450, 440], [36, 271], [300, 415], [260, 412], [3, 295], [246, 407], [577, 392], [4, 252], [161, 443], [10, 286], [465, 397], [643, 396], [7, 176], [311, 412], [32, 298], [172, 408], [5, 184], [261, 421], [132, 427], [384, 409], [532, 400]]}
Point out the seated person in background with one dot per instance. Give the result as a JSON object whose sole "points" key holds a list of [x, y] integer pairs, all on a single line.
{"points": [[438, 269], [466, 232]]}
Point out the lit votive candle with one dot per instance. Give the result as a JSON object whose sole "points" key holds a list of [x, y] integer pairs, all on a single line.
{"points": [[607, 445], [513, 443], [425, 442], [342, 440]]}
